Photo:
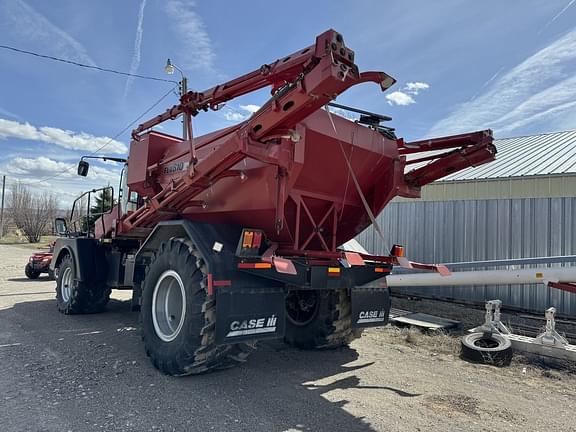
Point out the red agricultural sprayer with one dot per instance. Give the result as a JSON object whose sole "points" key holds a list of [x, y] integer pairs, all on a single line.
{"points": [[236, 236]]}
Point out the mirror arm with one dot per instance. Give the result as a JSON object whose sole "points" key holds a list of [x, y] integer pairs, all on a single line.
{"points": [[105, 158]]}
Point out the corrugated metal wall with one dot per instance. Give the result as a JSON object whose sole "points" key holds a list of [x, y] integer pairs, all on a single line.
{"points": [[455, 231]]}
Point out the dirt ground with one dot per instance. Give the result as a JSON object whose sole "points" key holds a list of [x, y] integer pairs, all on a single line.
{"points": [[90, 373]]}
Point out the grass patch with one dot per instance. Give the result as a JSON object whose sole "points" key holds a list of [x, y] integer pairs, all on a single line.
{"points": [[14, 240], [434, 341]]}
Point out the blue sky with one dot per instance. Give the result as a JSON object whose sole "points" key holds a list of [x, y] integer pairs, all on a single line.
{"points": [[460, 66]]}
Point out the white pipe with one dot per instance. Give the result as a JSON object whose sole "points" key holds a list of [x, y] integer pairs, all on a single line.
{"points": [[485, 277]]}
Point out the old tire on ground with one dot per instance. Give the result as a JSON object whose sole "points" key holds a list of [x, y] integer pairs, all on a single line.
{"points": [[75, 297], [487, 348], [30, 272], [178, 317], [319, 319]]}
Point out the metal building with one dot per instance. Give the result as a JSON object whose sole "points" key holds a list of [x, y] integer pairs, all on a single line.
{"points": [[522, 205]]}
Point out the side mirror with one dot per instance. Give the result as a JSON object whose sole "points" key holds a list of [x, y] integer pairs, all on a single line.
{"points": [[83, 167], [60, 226]]}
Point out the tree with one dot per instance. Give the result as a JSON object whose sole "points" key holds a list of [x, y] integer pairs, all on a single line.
{"points": [[78, 219], [31, 212], [81, 219], [103, 202]]}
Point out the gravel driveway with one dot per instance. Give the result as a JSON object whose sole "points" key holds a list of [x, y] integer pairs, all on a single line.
{"points": [[90, 373]]}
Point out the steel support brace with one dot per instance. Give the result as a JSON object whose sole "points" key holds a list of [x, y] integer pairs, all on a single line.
{"points": [[549, 343]]}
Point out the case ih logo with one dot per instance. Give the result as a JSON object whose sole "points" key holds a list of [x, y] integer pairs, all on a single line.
{"points": [[175, 167], [371, 316], [253, 326]]}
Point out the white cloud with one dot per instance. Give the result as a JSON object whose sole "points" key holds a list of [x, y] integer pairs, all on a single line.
{"points": [[49, 175], [399, 98], [415, 87], [197, 52], [405, 96], [35, 169], [540, 89], [23, 22], [234, 116], [60, 137], [136, 55], [250, 108]]}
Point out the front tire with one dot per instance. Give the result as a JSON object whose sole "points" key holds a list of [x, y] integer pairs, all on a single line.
{"points": [[30, 272], [75, 297], [178, 317], [319, 319]]}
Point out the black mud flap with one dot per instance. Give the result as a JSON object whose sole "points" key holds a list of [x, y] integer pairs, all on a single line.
{"points": [[370, 307], [249, 315]]}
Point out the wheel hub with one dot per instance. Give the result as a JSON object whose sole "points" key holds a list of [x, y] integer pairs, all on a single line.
{"points": [[168, 305], [302, 306], [66, 289]]}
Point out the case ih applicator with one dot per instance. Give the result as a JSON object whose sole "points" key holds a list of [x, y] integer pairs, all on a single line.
{"points": [[233, 237]]}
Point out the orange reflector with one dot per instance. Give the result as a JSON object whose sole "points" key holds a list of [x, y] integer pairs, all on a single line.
{"points": [[247, 240], [333, 269], [380, 270], [397, 251]]}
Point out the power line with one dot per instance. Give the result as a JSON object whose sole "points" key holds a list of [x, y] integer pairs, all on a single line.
{"points": [[107, 143], [98, 68]]}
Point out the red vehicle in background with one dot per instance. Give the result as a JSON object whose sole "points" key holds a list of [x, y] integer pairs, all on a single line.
{"points": [[39, 263]]}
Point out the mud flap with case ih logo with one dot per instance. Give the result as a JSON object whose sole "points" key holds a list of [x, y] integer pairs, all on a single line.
{"points": [[250, 315], [370, 307]]}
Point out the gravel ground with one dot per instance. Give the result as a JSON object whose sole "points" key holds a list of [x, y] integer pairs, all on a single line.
{"points": [[90, 373]]}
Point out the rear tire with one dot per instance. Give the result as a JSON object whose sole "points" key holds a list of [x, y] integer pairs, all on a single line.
{"points": [[30, 272], [327, 324], [75, 297], [178, 317], [486, 348]]}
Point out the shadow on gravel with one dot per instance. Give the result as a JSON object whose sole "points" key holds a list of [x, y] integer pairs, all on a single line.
{"points": [[95, 368], [27, 293], [25, 279], [354, 382]]}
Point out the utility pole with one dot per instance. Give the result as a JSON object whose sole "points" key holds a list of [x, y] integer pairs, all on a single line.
{"points": [[2, 207], [169, 69], [183, 91]]}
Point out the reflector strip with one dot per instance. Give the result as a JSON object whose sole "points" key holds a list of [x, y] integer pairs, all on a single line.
{"points": [[222, 283], [380, 270], [257, 239], [260, 265], [210, 285]]}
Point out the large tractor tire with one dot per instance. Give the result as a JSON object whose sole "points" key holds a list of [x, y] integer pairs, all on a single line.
{"points": [[319, 319], [178, 317], [30, 272], [75, 297]]}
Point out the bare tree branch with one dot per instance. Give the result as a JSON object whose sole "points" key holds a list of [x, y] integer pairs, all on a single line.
{"points": [[32, 213]]}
